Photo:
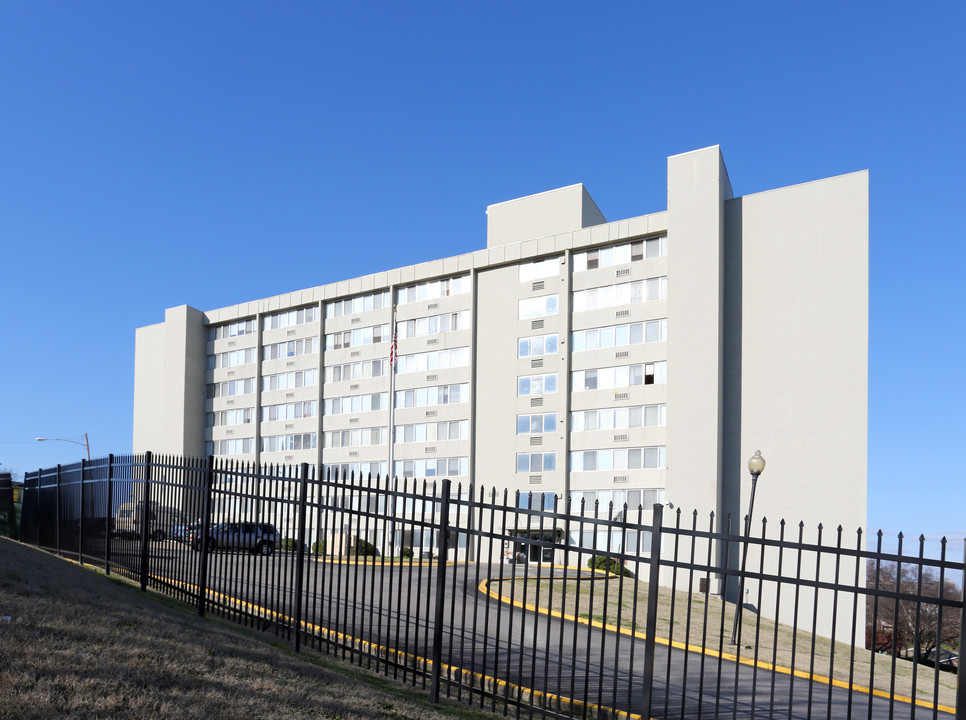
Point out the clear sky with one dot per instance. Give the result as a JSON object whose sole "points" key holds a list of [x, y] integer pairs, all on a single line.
{"points": [[161, 154]]}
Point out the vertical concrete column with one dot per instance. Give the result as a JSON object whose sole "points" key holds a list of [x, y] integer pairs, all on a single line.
{"points": [[697, 186], [169, 384]]}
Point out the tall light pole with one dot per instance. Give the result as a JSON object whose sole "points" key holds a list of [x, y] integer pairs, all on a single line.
{"points": [[86, 444], [756, 466]]}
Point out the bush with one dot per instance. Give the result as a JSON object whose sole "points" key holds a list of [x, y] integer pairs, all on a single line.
{"points": [[599, 562], [406, 552], [363, 549], [318, 547], [289, 545]]}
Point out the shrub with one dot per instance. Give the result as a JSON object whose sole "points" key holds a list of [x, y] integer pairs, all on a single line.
{"points": [[361, 548], [406, 552], [318, 547], [599, 562], [289, 545]]}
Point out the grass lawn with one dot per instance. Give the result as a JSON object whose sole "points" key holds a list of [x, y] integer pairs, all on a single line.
{"points": [[74, 643]]}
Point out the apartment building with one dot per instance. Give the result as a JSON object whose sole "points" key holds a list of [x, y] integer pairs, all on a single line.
{"points": [[640, 360]]}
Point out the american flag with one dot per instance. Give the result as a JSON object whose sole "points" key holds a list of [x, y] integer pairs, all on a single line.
{"points": [[392, 351]]}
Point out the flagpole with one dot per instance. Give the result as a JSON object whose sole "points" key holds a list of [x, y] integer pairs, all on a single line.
{"points": [[390, 473]]}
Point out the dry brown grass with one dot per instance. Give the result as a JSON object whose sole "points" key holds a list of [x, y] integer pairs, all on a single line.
{"points": [[81, 646], [708, 631]]}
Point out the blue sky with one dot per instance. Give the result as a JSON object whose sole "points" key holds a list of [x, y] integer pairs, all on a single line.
{"points": [[154, 155]]}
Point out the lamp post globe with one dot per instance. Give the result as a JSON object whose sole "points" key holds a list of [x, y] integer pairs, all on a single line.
{"points": [[756, 464]]}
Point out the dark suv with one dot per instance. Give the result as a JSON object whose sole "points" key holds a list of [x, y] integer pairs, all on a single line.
{"points": [[256, 538]]}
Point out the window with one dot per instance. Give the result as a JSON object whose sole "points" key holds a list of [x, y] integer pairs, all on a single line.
{"points": [[655, 331], [285, 443], [619, 335], [643, 498], [536, 424], [356, 403], [289, 411], [230, 388], [433, 324], [537, 385], [537, 345], [240, 416], [655, 373], [286, 381], [357, 469], [432, 432], [433, 290], [438, 395], [357, 370], [289, 318], [537, 501], [618, 459], [539, 269], [234, 329], [536, 462], [360, 303], [356, 437], [620, 295], [655, 247], [619, 377], [620, 254], [233, 358], [291, 348], [358, 337], [538, 307], [233, 446], [619, 418], [433, 467], [436, 360]]}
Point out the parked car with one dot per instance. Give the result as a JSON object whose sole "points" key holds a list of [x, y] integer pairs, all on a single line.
{"points": [[184, 533], [162, 521], [256, 538]]}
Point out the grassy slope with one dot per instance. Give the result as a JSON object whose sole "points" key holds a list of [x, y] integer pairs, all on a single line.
{"points": [[79, 645], [774, 644]]}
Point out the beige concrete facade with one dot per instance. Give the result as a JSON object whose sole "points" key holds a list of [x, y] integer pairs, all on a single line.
{"points": [[641, 360], [542, 215], [169, 384]]}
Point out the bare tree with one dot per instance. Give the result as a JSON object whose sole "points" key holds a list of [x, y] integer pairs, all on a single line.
{"points": [[912, 619]]}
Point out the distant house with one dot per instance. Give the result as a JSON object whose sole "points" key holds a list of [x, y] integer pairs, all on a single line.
{"points": [[880, 640]]}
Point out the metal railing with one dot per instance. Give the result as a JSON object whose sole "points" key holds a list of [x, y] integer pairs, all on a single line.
{"points": [[519, 602]]}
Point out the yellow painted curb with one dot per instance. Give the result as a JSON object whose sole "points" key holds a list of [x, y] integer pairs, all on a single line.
{"points": [[476, 680], [484, 588]]}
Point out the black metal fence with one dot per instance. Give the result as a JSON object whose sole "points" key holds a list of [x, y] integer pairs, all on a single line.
{"points": [[9, 507], [521, 603]]}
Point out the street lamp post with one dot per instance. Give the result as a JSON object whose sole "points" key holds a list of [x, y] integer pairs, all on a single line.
{"points": [[86, 444], [756, 465]]}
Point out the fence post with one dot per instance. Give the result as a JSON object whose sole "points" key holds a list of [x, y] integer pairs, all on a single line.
{"points": [[57, 512], [110, 514], [300, 566], [145, 521], [203, 536], [654, 578], [960, 673], [80, 529], [440, 589], [37, 519]]}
